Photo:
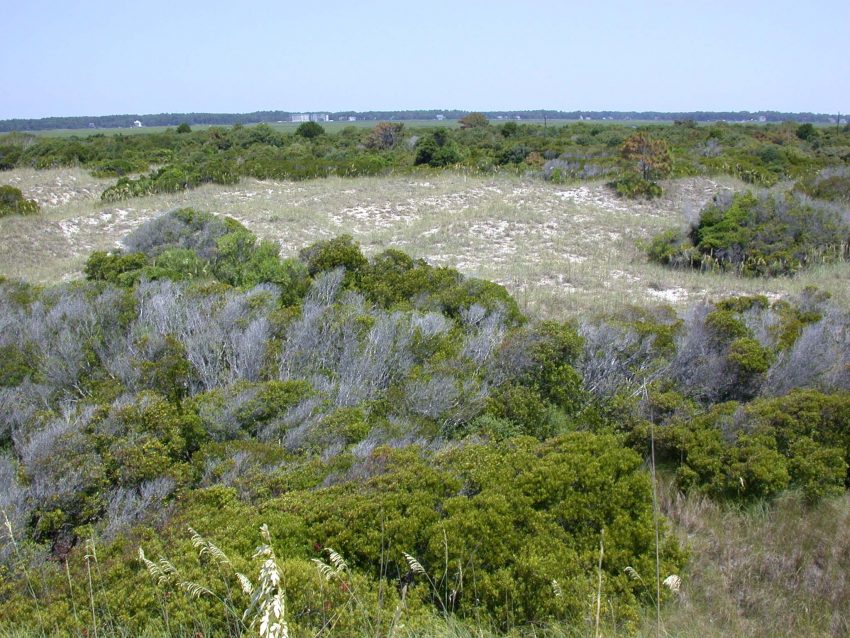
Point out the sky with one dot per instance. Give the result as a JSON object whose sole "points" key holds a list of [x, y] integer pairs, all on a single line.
{"points": [[100, 58]]}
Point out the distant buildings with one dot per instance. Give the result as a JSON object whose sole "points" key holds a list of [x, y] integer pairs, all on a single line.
{"points": [[137, 124], [309, 117]]}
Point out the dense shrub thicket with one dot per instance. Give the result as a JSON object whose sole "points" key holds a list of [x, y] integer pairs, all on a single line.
{"points": [[758, 235], [761, 155], [385, 408]]}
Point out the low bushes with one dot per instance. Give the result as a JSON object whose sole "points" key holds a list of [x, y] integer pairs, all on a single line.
{"points": [[13, 202], [756, 236]]}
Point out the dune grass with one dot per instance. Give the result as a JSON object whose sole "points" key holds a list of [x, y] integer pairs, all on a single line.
{"points": [[562, 250]]}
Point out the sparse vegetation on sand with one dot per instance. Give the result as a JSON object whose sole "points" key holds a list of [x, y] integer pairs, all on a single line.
{"points": [[561, 250]]}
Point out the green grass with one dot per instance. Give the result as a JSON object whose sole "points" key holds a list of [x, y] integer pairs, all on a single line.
{"points": [[334, 127], [289, 127]]}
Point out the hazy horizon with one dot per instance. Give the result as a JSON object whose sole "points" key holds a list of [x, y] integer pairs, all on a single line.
{"points": [[98, 58]]}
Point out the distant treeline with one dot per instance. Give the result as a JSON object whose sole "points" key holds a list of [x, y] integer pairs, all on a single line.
{"points": [[173, 119]]}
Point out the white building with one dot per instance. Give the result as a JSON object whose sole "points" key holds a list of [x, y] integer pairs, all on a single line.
{"points": [[137, 124], [309, 117]]}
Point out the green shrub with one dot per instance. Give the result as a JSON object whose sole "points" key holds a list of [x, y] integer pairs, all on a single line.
{"points": [[807, 132], [309, 130], [519, 514], [750, 356], [831, 183], [18, 363], [101, 266], [327, 255], [818, 470], [756, 236], [523, 407], [118, 167], [437, 149], [634, 187], [187, 244], [12, 202]]}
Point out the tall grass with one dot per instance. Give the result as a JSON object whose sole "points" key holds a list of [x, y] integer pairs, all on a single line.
{"points": [[767, 569]]}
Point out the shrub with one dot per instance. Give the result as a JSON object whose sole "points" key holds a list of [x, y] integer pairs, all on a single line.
{"points": [[831, 183], [186, 244], [12, 202], [327, 255], [634, 186], [10, 154], [309, 130], [118, 167], [437, 149], [18, 363], [101, 266], [807, 132], [757, 236], [519, 514]]}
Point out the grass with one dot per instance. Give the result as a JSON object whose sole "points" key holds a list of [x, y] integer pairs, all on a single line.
{"points": [[776, 569], [331, 127], [562, 250], [286, 127]]}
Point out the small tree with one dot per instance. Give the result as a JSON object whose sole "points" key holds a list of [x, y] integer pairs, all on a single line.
{"points": [[651, 155], [385, 135], [184, 128], [473, 120]]}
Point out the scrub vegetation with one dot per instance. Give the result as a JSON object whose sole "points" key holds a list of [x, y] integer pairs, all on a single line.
{"points": [[252, 424]]}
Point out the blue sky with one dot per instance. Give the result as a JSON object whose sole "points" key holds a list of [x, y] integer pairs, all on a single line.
{"points": [[98, 58]]}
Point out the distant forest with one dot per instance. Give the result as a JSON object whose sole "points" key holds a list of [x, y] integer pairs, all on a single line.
{"points": [[173, 119]]}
